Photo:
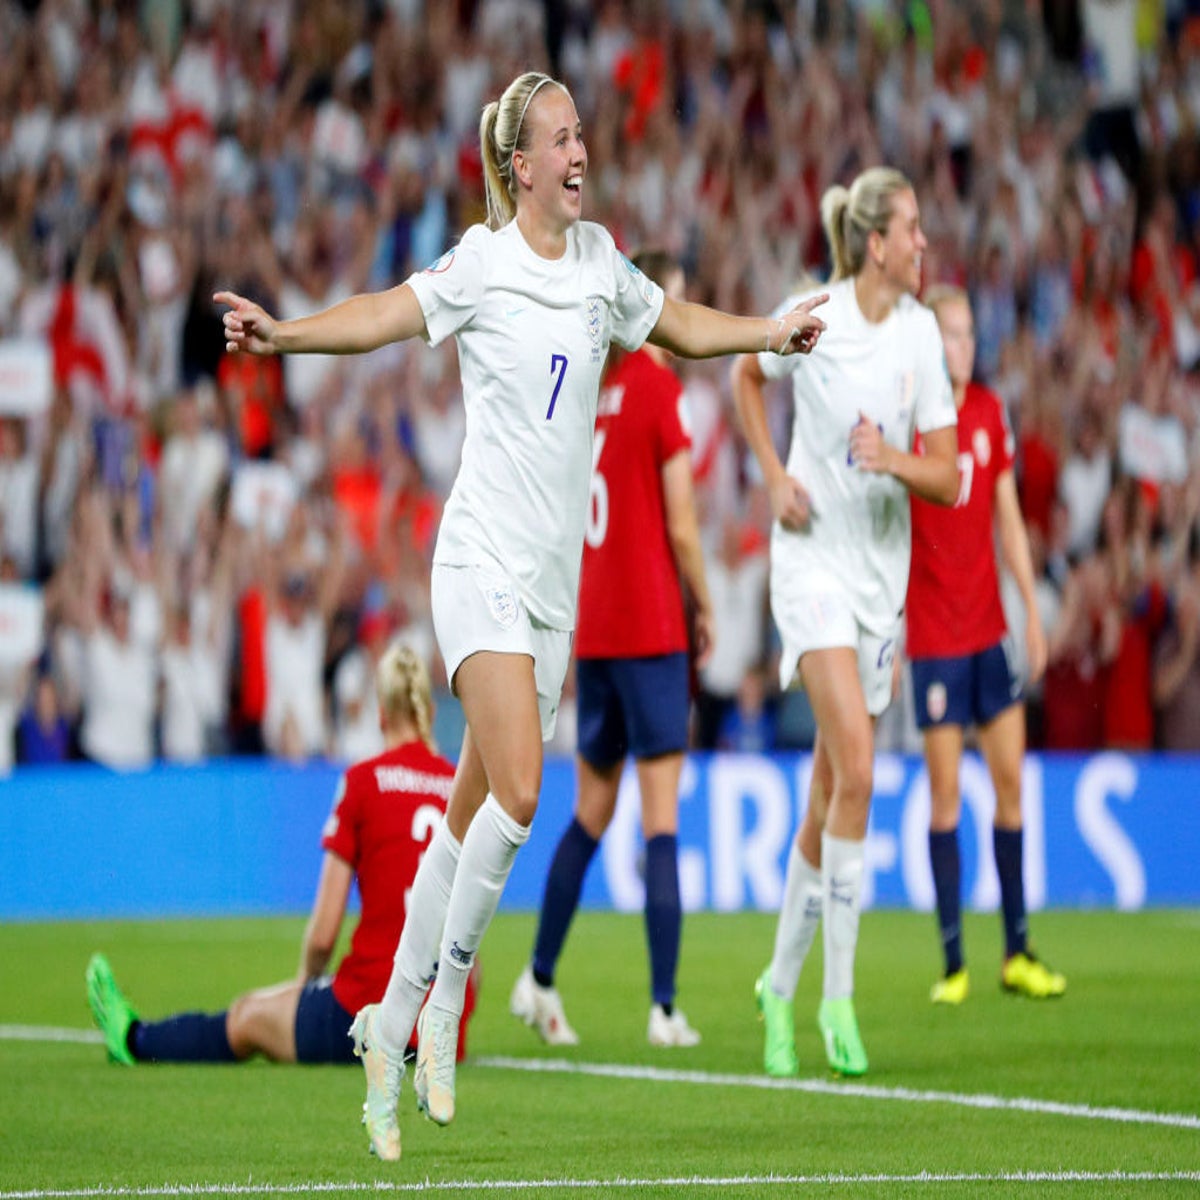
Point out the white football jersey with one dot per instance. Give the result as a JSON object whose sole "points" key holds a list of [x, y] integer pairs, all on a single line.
{"points": [[894, 373], [533, 335]]}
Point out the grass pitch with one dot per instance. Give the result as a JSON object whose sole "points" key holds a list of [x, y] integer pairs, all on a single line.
{"points": [[1095, 1094]]}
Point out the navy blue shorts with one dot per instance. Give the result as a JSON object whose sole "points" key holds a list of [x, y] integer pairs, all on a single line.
{"points": [[635, 706], [970, 689], [322, 1025]]}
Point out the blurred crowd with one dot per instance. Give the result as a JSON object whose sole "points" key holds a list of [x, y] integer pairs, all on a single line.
{"points": [[203, 554]]}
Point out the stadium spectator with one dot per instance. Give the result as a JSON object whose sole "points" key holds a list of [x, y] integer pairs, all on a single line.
{"points": [[302, 596], [1177, 661], [194, 464], [749, 727], [385, 811], [356, 709], [737, 580], [1136, 611], [1080, 648], [839, 564], [962, 673], [641, 557], [43, 732], [1085, 482], [18, 496], [507, 559], [106, 600]]}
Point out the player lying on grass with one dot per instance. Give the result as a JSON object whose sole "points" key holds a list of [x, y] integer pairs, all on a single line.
{"points": [[386, 811]]}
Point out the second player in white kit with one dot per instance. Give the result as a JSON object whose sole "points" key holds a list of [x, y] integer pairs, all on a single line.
{"points": [[839, 568]]}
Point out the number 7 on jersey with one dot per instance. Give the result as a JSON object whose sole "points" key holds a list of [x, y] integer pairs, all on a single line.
{"points": [[558, 363]]}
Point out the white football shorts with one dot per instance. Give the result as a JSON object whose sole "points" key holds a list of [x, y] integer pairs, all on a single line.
{"points": [[477, 608], [822, 618]]}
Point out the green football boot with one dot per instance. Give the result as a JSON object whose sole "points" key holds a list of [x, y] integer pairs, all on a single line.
{"points": [[839, 1028], [779, 1044], [112, 1013]]}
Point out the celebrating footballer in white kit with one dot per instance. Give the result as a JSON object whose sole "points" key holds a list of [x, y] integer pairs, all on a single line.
{"points": [[852, 558], [839, 568], [534, 300]]}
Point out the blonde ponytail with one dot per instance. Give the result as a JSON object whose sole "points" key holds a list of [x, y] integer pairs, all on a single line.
{"points": [[404, 691], [851, 216], [500, 205]]}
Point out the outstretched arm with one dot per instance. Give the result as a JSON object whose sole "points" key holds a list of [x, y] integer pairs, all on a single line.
{"points": [[352, 326], [695, 331]]}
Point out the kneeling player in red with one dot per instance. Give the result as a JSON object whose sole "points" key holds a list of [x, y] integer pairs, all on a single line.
{"points": [[387, 809]]}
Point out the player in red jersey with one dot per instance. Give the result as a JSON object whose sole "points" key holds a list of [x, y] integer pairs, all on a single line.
{"points": [[385, 812], [962, 673], [642, 548]]}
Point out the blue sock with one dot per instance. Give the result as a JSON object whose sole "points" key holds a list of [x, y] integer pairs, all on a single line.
{"points": [[561, 898], [1007, 844], [947, 884], [664, 916], [186, 1037]]}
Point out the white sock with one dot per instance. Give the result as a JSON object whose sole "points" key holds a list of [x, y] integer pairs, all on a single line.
{"points": [[416, 961], [841, 891], [488, 852], [799, 916]]}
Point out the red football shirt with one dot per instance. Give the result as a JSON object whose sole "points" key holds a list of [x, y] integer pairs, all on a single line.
{"points": [[386, 811], [630, 596], [953, 604]]}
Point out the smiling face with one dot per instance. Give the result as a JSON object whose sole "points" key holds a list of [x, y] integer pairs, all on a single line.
{"points": [[549, 171], [898, 251]]}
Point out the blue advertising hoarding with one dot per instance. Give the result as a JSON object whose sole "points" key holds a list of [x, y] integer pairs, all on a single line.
{"points": [[1107, 830]]}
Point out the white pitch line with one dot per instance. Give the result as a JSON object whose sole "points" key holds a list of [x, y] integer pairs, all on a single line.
{"points": [[48, 1033], [1085, 1112], [982, 1100], [620, 1183]]}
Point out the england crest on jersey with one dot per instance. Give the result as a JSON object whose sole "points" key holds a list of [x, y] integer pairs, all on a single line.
{"points": [[502, 602]]}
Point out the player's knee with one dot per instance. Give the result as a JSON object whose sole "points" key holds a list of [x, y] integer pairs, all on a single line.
{"points": [[856, 781], [944, 807], [1008, 803], [520, 801], [238, 1026]]}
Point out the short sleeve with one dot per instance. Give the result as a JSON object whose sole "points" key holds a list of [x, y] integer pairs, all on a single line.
{"points": [[671, 418], [450, 290], [341, 832], [637, 302]]}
